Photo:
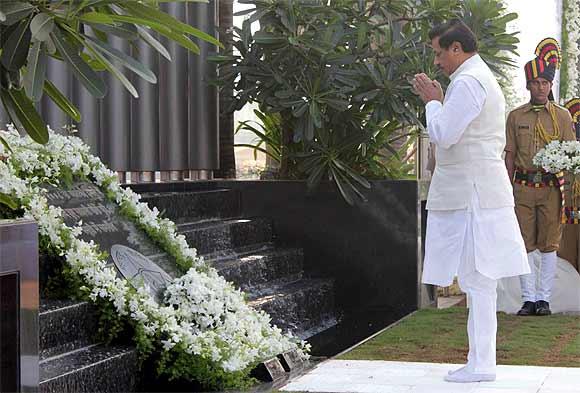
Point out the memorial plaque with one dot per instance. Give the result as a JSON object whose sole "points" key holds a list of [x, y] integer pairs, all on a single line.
{"points": [[291, 360], [269, 370], [103, 223], [140, 270]]}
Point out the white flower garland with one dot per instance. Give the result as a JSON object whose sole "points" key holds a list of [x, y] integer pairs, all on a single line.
{"points": [[204, 314], [559, 156], [572, 55]]}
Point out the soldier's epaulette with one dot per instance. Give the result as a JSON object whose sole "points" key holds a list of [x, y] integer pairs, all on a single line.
{"points": [[558, 106], [520, 107]]}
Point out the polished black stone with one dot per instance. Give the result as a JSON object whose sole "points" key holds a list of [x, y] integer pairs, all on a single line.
{"points": [[66, 325], [303, 307], [370, 249], [9, 350], [102, 221], [196, 206], [251, 269], [92, 369], [19, 305], [214, 236]]}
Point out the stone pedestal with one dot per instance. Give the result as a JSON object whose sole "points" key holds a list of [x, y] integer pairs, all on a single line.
{"points": [[18, 306]]}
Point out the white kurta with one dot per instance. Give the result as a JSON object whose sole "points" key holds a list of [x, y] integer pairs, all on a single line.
{"points": [[499, 249]]}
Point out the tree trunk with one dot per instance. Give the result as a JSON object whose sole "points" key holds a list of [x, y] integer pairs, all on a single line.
{"points": [[284, 154], [226, 123]]}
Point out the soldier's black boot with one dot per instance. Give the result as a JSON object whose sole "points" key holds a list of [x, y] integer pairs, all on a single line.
{"points": [[529, 308], [543, 308]]}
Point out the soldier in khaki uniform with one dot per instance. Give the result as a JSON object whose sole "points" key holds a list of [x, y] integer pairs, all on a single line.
{"points": [[570, 244], [537, 194]]}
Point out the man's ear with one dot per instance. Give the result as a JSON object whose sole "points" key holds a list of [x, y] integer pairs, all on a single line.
{"points": [[456, 47]]}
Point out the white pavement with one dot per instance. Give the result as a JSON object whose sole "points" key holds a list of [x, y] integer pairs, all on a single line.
{"points": [[373, 376]]}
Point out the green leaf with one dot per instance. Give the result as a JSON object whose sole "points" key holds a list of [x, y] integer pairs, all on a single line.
{"points": [[139, 21], [5, 144], [316, 176], [82, 71], [13, 11], [147, 12], [123, 30], [260, 149], [342, 187], [315, 114], [180, 39], [61, 101], [35, 71], [149, 39], [23, 113], [41, 26], [269, 39], [351, 186], [15, 50], [50, 47], [113, 69], [125, 60], [8, 201], [351, 172], [96, 18], [66, 176], [95, 64]]}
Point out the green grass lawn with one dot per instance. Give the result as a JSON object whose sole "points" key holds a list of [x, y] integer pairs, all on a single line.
{"points": [[440, 336]]}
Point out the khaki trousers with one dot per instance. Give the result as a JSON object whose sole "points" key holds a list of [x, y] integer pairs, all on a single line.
{"points": [[539, 215]]}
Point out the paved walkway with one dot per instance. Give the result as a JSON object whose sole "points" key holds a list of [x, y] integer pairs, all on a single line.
{"points": [[372, 376]]}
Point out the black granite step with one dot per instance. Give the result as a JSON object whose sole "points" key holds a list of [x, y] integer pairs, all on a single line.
{"points": [[259, 266], [65, 325], [195, 206], [304, 307], [214, 236], [91, 369]]}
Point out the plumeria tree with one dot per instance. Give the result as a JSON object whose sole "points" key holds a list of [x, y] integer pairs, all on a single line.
{"points": [[77, 32], [336, 73]]}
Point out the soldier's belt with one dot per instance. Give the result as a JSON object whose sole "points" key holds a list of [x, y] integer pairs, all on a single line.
{"points": [[536, 179]]}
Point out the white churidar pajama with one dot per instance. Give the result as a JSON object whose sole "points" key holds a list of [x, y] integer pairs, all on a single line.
{"points": [[464, 226], [472, 229], [539, 287]]}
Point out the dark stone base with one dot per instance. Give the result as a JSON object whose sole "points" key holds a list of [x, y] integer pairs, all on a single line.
{"points": [[94, 369], [369, 250]]}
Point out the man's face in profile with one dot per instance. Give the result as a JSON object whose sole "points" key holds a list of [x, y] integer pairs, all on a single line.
{"points": [[443, 57]]}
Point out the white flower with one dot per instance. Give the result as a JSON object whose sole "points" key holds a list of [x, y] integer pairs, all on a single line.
{"points": [[203, 311], [572, 57]]}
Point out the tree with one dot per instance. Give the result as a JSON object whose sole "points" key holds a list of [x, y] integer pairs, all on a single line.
{"points": [[226, 126], [77, 31], [336, 73]]}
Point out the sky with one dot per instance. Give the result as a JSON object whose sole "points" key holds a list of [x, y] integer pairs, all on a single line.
{"points": [[537, 20]]}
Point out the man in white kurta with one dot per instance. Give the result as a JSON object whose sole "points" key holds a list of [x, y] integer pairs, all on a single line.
{"points": [[472, 230]]}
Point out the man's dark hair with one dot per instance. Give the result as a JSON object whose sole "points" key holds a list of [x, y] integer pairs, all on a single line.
{"points": [[454, 31]]}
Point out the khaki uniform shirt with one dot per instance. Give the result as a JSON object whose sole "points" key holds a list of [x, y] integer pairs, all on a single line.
{"points": [[538, 209], [521, 125]]}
